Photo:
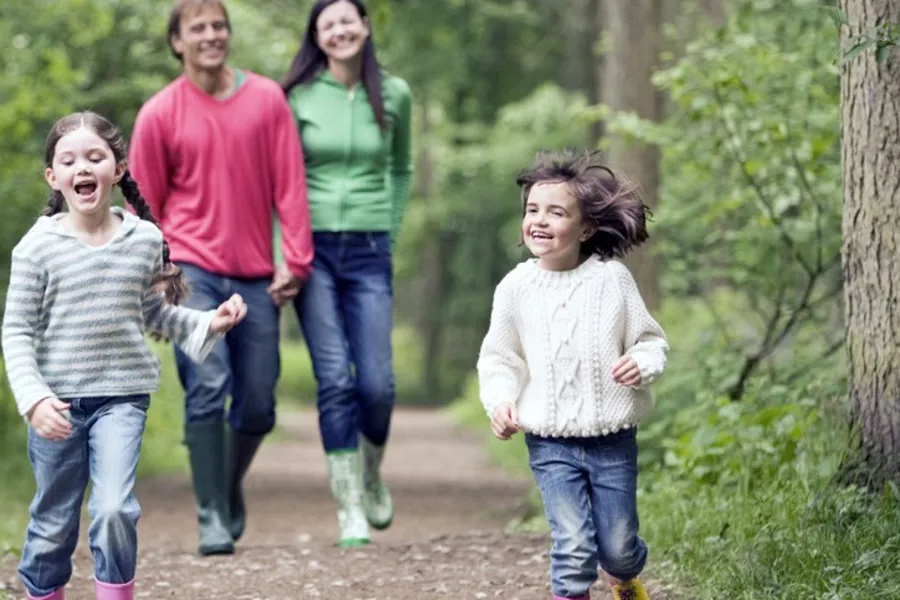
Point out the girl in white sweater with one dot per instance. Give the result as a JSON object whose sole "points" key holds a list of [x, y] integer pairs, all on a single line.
{"points": [[567, 359]]}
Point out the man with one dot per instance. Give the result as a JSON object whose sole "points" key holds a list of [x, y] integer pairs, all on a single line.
{"points": [[213, 153]]}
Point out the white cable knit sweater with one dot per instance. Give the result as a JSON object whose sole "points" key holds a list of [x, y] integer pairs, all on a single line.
{"points": [[553, 339]]}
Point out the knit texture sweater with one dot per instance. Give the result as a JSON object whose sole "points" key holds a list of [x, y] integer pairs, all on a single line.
{"points": [[553, 339], [76, 314]]}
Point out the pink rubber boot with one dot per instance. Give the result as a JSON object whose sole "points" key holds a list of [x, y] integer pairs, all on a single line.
{"points": [[114, 591], [57, 594]]}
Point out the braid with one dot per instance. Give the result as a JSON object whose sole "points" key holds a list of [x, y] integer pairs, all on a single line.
{"points": [[170, 280], [55, 204]]}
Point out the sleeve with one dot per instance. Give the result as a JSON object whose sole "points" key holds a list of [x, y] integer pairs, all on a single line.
{"points": [[400, 164], [644, 339], [294, 228], [148, 161], [502, 369], [186, 327], [27, 284]]}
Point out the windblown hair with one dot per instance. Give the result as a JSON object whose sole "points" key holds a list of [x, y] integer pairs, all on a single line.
{"points": [[177, 12], [609, 203], [310, 60], [170, 280]]}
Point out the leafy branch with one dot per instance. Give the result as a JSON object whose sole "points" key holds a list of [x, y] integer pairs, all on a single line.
{"points": [[778, 325], [884, 38]]}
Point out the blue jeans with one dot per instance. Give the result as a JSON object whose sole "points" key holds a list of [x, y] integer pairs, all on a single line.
{"points": [[589, 490], [246, 364], [346, 313], [103, 448]]}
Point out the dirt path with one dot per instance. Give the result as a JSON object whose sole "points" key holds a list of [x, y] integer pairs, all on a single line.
{"points": [[447, 540]]}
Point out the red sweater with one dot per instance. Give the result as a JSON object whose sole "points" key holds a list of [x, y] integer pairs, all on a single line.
{"points": [[212, 171]]}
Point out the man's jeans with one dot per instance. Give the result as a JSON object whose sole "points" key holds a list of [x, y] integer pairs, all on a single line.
{"points": [[246, 364], [103, 448], [589, 490], [346, 313]]}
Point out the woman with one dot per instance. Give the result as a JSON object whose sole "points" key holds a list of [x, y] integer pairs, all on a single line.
{"points": [[354, 120]]}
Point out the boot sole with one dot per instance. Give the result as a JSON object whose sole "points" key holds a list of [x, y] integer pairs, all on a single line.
{"points": [[380, 526], [217, 550], [353, 543]]}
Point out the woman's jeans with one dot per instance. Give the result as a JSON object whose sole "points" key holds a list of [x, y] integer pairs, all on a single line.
{"points": [[103, 448], [346, 313], [589, 490]]}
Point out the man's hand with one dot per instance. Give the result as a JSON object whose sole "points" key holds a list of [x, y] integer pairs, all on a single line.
{"points": [[285, 285], [505, 421], [48, 421]]}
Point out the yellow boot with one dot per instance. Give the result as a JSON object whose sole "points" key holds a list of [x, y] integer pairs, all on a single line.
{"points": [[629, 590]]}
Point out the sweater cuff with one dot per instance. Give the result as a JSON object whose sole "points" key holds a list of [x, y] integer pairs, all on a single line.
{"points": [[202, 340], [650, 364]]}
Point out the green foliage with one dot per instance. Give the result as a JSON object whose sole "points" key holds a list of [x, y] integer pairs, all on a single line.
{"points": [[751, 192]]}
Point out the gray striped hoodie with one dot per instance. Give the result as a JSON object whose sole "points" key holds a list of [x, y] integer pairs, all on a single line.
{"points": [[76, 314]]}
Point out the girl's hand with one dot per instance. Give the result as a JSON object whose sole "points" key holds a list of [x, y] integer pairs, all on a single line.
{"points": [[505, 421], [230, 313], [626, 372], [47, 419]]}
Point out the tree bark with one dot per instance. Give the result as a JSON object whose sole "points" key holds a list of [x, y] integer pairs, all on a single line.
{"points": [[633, 34], [870, 110]]}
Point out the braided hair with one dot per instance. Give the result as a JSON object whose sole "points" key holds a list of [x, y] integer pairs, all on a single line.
{"points": [[170, 280]]}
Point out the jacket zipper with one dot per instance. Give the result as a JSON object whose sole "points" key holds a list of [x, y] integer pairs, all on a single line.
{"points": [[351, 94]]}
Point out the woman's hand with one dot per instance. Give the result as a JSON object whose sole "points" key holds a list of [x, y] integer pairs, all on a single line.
{"points": [[48, 421], [230, 313]]}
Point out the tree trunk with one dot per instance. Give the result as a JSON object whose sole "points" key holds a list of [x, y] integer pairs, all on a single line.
{"points": [[633, 34], [431, 292], [599, 55], [870, 110]]}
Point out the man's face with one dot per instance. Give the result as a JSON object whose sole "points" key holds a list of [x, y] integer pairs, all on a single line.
{"points": [[203, 37]]}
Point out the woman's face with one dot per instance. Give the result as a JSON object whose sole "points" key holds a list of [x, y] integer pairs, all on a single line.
{"points": [[341, 32]]}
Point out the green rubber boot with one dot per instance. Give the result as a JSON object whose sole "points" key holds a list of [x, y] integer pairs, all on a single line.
{"points": [[377, 501], [346, 486], [208, 456], [243, 449]]}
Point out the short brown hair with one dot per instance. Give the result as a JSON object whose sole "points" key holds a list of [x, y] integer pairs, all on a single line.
{"points": [[175, 19], [609, 202]]}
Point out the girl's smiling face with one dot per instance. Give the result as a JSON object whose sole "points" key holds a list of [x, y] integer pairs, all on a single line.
{"points": [[552, 227], [341, 32], [84, 170]]}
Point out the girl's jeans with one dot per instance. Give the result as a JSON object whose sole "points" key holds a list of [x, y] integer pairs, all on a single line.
{"points": [[589, 490], [103, 447]]}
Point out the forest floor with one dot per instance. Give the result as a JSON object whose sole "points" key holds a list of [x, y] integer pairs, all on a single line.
{"points": [[447, 540]]}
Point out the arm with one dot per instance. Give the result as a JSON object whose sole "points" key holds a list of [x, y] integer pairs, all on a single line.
{"points": [[644, 339], [290, 199], [186, 327], [27, 282], [400, 164], [148, 161], [502, 369]]}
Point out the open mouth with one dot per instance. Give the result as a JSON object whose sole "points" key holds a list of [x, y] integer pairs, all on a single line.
{"points": [[85, 189], [540, 235]]}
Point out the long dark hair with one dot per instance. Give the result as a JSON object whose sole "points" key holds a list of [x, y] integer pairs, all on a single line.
{"points": [[310, 60], [609, 202], [170, 280]]}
